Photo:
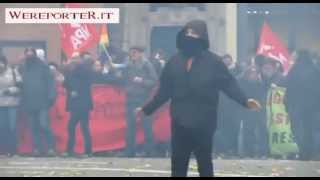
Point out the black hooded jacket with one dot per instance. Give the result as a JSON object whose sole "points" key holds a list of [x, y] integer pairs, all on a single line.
{"points": [[79, 80], [303, 89], [38, 85], [194, 95]]}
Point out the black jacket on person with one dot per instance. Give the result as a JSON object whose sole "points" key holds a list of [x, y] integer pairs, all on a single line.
{"points": [[194, 95], [79, 80], [38, 85], [303, 89]]}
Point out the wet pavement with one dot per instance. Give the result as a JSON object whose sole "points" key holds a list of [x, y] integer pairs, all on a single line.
{"points": [[148, 167]]}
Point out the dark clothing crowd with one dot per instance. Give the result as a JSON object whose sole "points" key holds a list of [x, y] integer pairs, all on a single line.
{"points": [[245, 134]]}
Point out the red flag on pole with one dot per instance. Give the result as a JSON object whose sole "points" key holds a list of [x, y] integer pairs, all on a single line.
{"points": [[77, 37], [271, 46]]}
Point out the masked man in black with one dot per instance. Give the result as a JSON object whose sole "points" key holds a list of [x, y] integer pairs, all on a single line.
{"points": [[192, 80]]}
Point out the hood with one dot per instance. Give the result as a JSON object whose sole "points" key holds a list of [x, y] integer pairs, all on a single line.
{"points": [[200, 27]]}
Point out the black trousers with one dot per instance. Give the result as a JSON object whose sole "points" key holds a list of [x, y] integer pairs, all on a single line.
{"points": [[184, 142], [131, 130], [255, 136], [39, 119], [82, 118], [305, 127], [226, 138]]}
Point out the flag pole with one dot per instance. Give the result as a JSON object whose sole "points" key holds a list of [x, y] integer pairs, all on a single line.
{"points": [[107, 53], [110, 61]]}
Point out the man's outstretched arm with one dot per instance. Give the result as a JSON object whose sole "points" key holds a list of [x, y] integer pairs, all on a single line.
{"points": [[164, 92], [230, 86]]}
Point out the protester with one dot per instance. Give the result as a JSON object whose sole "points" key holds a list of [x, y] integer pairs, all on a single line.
{"points": [[231, 64], [228, 125], [140, 77], [10, 88], [78, 81], [271, 73], [255, 133], [192, 80], [38, 95], [302, 99]]}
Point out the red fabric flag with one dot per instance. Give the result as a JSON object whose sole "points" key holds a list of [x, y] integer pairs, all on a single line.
{"points": [[77, 37], [271, 46]]}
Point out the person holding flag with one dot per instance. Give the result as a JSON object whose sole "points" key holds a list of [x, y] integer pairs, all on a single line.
{"points": [[139, 78], [105, 56], [274, 62]]}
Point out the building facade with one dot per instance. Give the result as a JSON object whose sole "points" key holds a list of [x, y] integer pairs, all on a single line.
{"points": [[232, 29]]}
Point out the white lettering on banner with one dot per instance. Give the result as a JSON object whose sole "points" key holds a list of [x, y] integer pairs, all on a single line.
{"points": [[80, 35], [282, 57], [267, 48], [76, 43], [279, 57]]}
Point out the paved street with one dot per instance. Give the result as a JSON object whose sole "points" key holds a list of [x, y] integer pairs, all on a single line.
{"points": [[111, 167]]}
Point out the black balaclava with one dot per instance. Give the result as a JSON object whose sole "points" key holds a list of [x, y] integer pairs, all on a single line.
{"points": [[190, 46]]}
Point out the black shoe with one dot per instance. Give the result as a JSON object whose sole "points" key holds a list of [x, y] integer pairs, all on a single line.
{"points": [[150, 154], [128, 155], [9, 155], [292, 157], [51, 153], [68, 154], [36, 153], [131, 155], [12, 155], [87, 155]]}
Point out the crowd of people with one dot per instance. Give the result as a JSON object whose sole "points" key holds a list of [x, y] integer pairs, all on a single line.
{"points": [[301, 102], [31, 86]]}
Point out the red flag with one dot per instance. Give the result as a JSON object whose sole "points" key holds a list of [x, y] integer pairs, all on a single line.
{"points": [[271, 46], [77, 37]]}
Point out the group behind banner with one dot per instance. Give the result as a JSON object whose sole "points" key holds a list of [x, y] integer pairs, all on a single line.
{"points": [[107, 123]]}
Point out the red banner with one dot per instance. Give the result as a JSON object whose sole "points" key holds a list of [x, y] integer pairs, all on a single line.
{"points": [[77, 37], [271, 46], [107, 123]]}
